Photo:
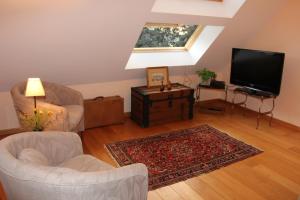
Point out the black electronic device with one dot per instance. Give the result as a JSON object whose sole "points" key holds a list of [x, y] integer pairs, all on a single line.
{"points": [[257, 70], [217, 84]]}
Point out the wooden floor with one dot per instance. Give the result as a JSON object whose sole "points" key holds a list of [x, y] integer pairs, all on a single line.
{"points": [[274, 174]]}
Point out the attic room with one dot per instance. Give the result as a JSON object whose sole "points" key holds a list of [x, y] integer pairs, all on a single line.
{"points": [[152, 99]]}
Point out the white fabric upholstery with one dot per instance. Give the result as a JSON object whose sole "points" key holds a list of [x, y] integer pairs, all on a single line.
{"points": [[75, 115], [86, 163], [33, 156], [26, 181]]}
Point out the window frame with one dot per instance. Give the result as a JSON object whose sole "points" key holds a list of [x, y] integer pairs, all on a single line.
{"points": [[187, 46]]}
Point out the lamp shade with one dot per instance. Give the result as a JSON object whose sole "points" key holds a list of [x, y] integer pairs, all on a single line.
{"points": [[34, 87]]}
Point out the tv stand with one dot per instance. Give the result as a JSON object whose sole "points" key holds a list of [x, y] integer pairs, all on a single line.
{"points": [[254, 92], [261, 95]]}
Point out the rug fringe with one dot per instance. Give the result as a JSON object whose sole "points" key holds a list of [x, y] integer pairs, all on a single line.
{"points": [[111, 156]]}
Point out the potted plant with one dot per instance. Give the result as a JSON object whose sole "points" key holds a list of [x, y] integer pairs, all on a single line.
{"points": [[206, 76]]}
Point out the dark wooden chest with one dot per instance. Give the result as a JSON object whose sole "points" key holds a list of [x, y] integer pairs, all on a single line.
{"points": [[150, 106]]}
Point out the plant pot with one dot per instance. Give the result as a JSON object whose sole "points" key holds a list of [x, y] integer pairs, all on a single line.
{"points": [[37, 128], [205, 82]]}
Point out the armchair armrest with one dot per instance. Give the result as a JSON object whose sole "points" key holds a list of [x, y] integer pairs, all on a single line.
{"points": [[128, 182], [122, 173], [75, 97], [66, 95], [71, 97], [56, 146]]}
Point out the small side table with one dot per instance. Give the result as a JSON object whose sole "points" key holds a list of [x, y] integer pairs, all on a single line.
{"points": [[215, 109]]}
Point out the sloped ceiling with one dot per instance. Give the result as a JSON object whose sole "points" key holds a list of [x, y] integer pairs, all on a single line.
{"points": [[87, 41]]}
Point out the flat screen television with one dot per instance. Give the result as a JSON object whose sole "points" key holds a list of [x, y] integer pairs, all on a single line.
{"points": [[257, 70]]}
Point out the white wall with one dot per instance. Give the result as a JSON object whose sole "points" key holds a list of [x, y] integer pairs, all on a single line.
{"points": [[282, 34], [8, 117], [225, 9], [76, 42], [79, 41], [69, 41]]}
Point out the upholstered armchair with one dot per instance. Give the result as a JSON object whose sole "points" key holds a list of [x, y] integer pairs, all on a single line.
{"points": [[64, 104], [51, 166]]}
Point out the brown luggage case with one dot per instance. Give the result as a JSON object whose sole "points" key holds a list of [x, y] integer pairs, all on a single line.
{"points": [[103, 111]]}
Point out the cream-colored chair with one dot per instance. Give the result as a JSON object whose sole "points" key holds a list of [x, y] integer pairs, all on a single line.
{"points": [[51, 166], [65, 104]]}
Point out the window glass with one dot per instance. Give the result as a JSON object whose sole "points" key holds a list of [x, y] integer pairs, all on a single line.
{"points": [[165, 36]]}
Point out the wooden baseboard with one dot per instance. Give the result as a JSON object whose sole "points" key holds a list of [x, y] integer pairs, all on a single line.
{"points": [[275, 120], [210, 101], [6, 132], [127, 114], [286, 124]]}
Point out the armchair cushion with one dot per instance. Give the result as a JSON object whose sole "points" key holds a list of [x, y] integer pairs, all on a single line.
{"points": [[86, 163], [29, 155], [75, 115]]}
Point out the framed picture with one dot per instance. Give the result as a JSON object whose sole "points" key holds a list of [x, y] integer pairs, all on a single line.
{"points": [[157, 75]]}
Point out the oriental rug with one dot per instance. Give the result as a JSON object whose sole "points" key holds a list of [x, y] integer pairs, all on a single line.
{"points": [[181, 154]]}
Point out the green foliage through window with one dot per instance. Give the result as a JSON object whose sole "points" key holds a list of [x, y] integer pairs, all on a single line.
{"points": [[165, 36]]}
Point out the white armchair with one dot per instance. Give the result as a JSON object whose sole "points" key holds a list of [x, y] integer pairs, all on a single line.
{"points": [[65, 103], [68, 174]]}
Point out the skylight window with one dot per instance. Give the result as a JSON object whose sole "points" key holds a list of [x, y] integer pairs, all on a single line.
{"points": [[167, 37], [207, 35]]}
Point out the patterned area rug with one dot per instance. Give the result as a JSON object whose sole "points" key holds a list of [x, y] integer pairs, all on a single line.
{"points": [[182, 154]]}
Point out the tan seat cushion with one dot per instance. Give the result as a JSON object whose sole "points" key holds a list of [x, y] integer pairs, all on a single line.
{"points": [[86, 163], [75, 114]]}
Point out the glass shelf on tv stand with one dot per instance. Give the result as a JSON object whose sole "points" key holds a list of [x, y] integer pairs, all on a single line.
{"points": [[261, 95]]}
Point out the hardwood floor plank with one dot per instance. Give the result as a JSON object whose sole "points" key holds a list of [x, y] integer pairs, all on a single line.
{"points": [[263, 186], [281, 166], [205, 190], [295, 149], [153, 195], [227, 192], [274, 176], [168, 193], [243, 191], [185, 191]]}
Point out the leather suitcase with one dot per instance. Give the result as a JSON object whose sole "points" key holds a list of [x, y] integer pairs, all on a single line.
{"points": [[103, 111]]}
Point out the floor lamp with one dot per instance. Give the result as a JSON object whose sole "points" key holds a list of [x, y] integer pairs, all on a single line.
{"points": [[34, 88]]}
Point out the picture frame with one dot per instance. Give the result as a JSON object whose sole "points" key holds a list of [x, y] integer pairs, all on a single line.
{"points": [[155, 76]]}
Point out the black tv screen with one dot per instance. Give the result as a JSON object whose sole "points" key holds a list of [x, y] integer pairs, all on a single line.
{"points": [[260, 70]]}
